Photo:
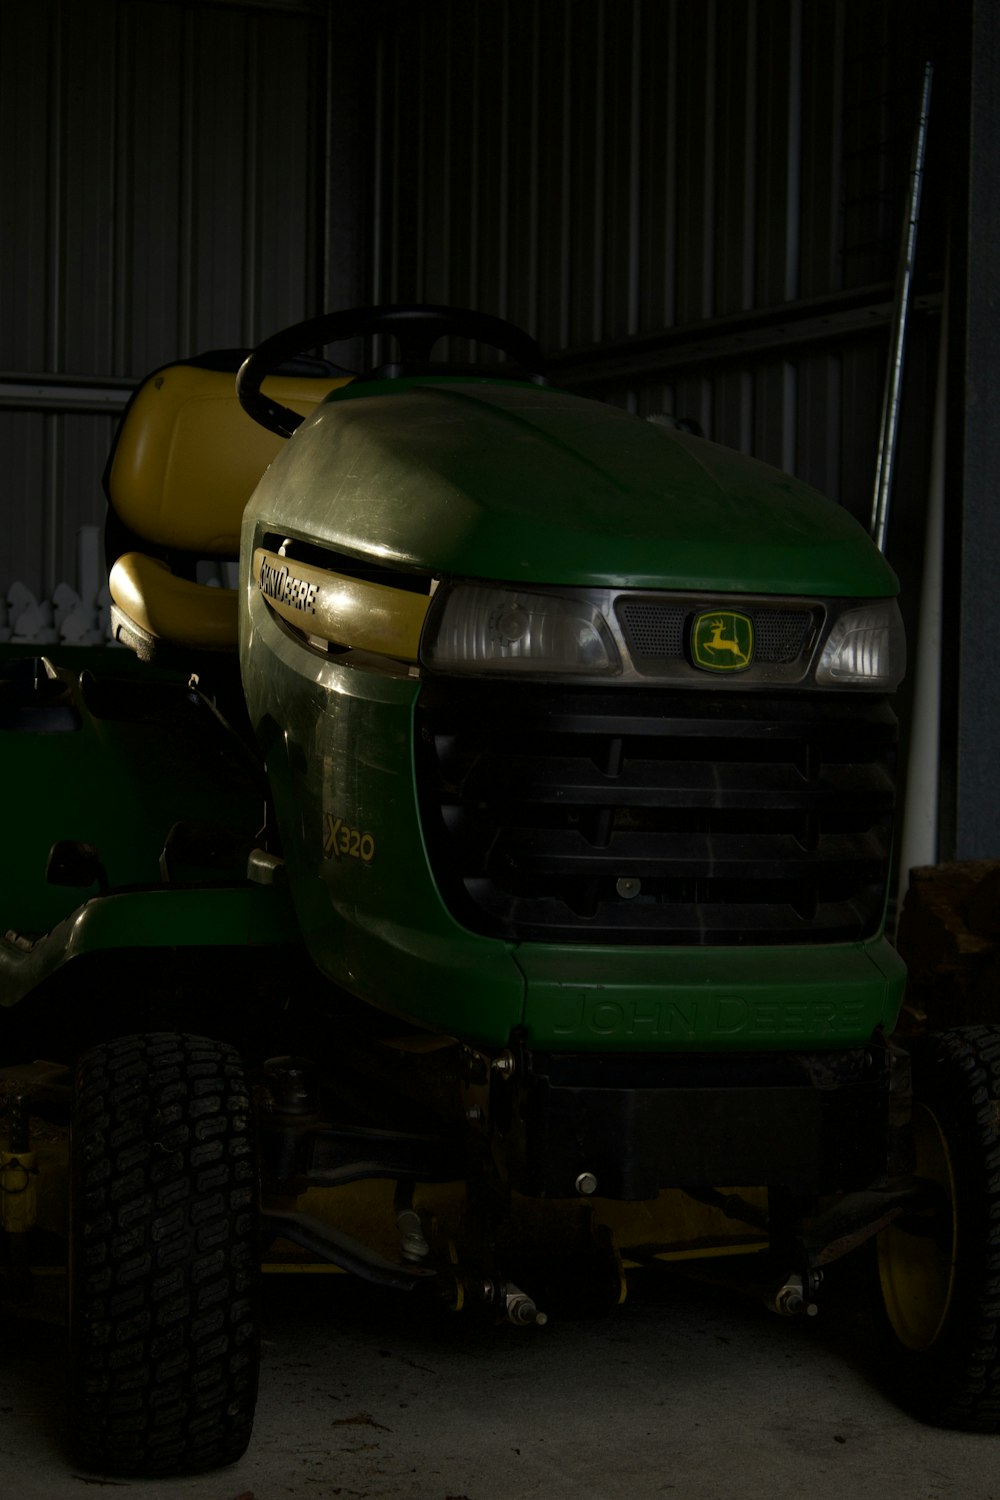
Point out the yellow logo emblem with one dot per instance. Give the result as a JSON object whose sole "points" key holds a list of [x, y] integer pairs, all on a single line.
{"points": [[722, 641]]}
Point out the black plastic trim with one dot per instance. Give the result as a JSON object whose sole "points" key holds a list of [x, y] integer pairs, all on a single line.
{"points": [[808, 1121], [646, 816]]}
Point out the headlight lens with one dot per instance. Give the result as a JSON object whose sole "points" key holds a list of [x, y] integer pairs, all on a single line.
{"points": [[865, 648], [471, 628]]}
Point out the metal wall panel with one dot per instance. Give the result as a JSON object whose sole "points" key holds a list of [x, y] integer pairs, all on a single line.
{"points": [[702, 175], [604, 171], [971, 716], [169, 191], [163, 192]]}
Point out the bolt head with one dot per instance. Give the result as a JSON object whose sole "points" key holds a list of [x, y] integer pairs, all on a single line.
{"points": [[586, 1184]]}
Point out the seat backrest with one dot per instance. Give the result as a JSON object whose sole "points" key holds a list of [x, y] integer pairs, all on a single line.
{"points": [[188, 458]]}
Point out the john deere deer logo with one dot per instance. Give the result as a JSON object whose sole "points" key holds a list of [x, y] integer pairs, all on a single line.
{"points": [[722, 641]]}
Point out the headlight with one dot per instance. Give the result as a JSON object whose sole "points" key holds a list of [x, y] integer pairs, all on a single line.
{"points": [[471, 628], [865, 648]]}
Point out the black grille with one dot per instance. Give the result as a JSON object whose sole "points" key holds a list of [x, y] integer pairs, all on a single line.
{"points": [[779, 636], [667, 817], [654, 630]]}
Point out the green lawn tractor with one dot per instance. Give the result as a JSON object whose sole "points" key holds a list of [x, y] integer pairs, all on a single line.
{"points": [[485, 895]]}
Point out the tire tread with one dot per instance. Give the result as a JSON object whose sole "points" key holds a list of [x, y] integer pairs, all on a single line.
{"points": [[956, 1383], [165, 1258]]}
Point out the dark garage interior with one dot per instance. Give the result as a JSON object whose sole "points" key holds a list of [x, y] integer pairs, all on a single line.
{"points": [[695, 208], [771, 220]]}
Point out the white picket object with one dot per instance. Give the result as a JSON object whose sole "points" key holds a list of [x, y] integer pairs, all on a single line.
{"points": [[79, 616]]}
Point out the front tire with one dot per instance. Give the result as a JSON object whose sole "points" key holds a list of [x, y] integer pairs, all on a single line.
{"points": [[939, 1271], [164, 1258]]}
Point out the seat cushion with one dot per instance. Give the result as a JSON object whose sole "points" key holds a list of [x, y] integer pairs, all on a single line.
{"points": [[174, 609]]}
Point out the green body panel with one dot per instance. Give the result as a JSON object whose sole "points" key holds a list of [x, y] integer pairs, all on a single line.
{"points": [[242, 917], [472, 478], [506, 480], [341, 764], [119, 780], [341, 759], [81, 784], [709, 999]]}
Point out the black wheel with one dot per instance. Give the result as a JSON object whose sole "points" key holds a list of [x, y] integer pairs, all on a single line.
{"points": [[164, 1262], [939, 1270]]}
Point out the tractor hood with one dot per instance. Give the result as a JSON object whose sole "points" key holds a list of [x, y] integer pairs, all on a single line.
{"points": [[505, 480]]}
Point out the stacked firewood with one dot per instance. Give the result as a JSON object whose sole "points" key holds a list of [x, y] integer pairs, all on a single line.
{"points": [[949, 937]]}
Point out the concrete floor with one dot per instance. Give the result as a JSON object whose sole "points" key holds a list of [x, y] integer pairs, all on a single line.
{"points": [[686, 1391]]}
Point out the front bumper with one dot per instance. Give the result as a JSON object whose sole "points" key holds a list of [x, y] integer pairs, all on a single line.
{"points": [[626, 1126]]}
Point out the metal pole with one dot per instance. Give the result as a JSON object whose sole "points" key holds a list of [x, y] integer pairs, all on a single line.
{"points": [[904, 278], [919, 844]]}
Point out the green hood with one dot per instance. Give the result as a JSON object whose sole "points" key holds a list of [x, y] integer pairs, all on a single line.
{"points": [[509, 481]]}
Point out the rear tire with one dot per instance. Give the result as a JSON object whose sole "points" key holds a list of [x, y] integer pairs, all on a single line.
{"points": [[939, 1271], [164, 1258]]}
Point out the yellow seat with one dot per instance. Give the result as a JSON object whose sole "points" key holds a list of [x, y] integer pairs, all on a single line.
{"points": [[168, 608], [186, 462]]}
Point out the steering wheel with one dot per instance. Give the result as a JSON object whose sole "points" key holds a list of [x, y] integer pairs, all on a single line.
{"points": [[415, 328]]}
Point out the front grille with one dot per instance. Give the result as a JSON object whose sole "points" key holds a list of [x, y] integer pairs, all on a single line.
{"points": [[780, 635], [671, 818], [656, 631], [653, 630]]}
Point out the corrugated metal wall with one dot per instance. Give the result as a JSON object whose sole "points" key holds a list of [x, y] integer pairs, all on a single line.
{"points": [[695, 203], [163, 191]]}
